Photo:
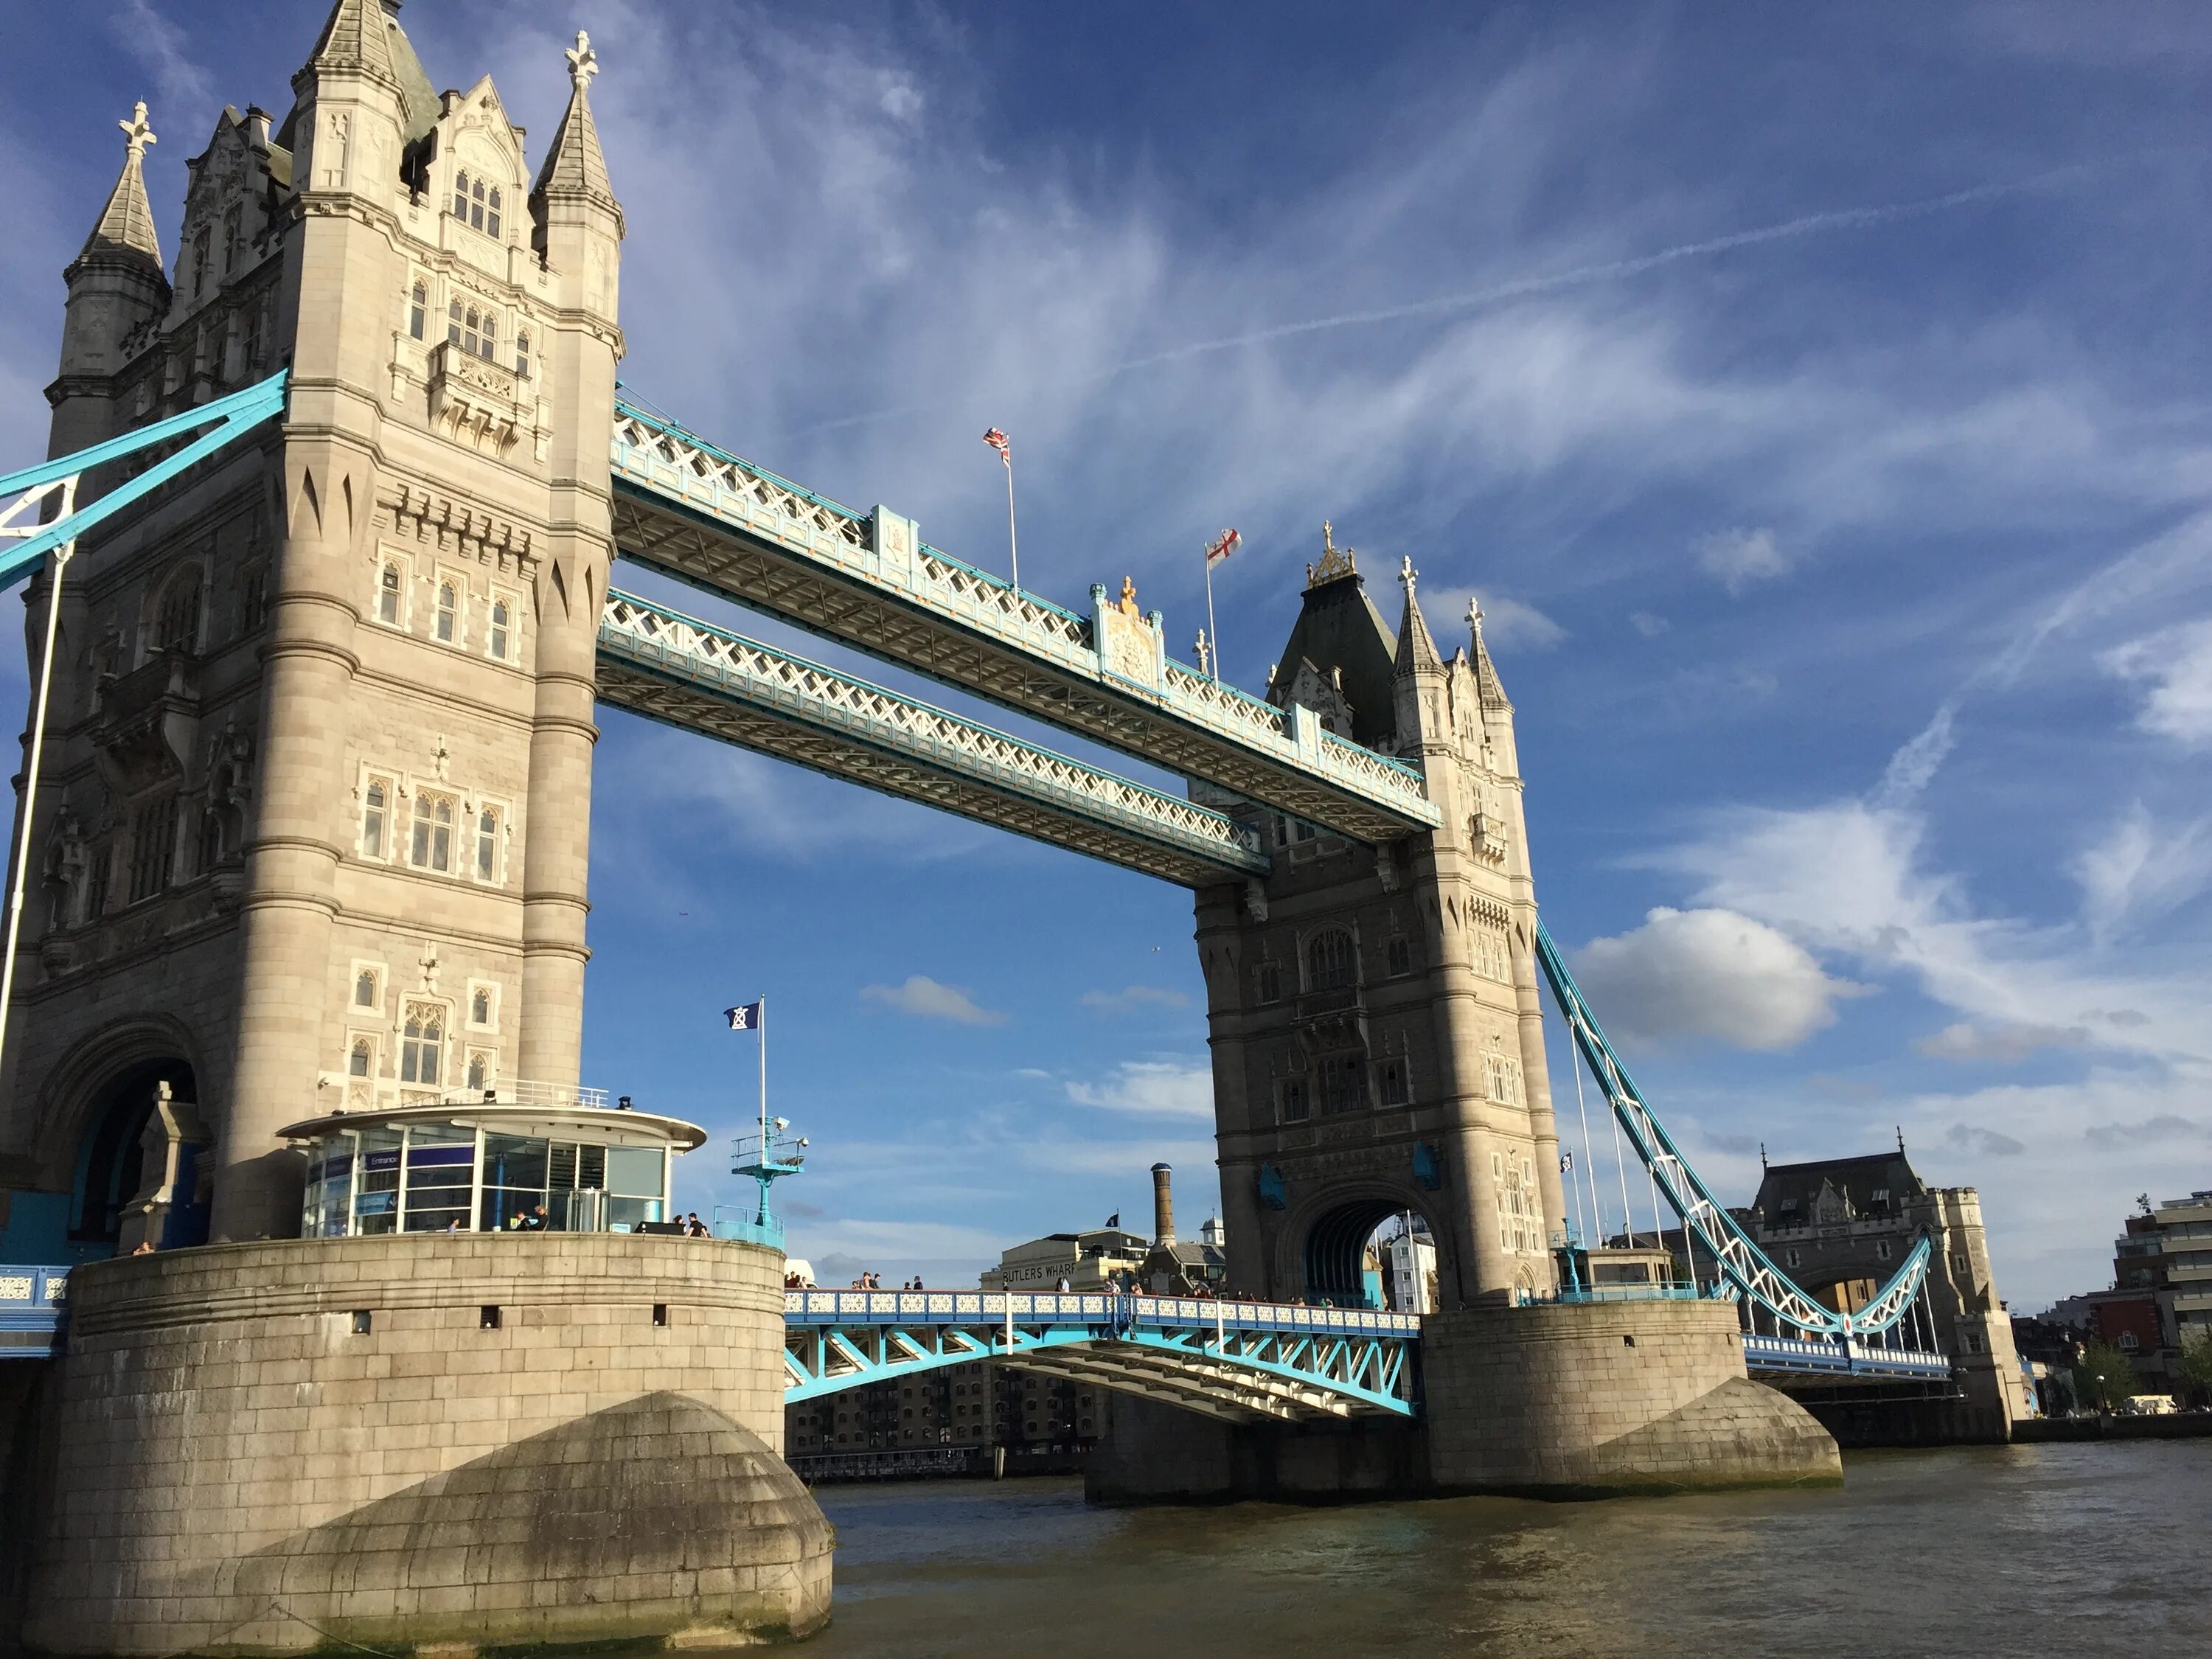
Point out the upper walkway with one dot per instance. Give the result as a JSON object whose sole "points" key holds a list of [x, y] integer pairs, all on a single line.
{"points": [[706, 517]]}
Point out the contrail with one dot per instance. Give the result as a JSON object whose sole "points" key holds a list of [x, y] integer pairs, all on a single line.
{"points": [[1809, 224]]}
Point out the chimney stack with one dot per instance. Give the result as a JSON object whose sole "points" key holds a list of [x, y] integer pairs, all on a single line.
{"points": [[1163, 1207]]}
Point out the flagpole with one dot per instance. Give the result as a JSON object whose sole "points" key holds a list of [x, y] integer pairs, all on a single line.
{"points": [[1213, 631], [1013, 547], [760, 1032]]}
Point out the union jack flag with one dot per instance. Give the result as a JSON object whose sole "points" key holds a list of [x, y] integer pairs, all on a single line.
{"points": [[997, 440], [1222, 546]]}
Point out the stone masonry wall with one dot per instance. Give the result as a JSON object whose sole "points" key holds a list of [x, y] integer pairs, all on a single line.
{"points": [[221, 1404]]}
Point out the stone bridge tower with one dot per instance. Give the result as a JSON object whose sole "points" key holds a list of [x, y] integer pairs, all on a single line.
{"points": [[1376, 1036], [315, 817]]}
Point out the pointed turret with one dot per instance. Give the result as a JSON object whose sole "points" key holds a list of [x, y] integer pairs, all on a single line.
{"points": [[125, 232], [1486, 683], [575, 168], [1416, 649], [357, 37], [116, 288]]}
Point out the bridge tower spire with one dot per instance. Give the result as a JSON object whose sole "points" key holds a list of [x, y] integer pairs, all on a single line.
{"points": [[1377, 1039]]}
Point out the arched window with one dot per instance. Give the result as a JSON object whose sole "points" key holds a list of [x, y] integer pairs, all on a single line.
{"points": [[418, 306], [487, 843], [364, 989], [422, 1038], [448, 604], [230, 226], [490, 336], [387, 595], [475, 204], [357, 1061], [433, 848], [522, 354], [1329, 963], [460, 196], [453, 322], [480, 1007], [257, 335], [498, 641], [200, 262], [491, 218], [177, 625], [469, 339], [476, 1071]]}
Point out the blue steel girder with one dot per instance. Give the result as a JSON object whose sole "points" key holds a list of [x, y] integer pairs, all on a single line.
{"points": [[1241, 1362], [708, 518], [672, 668]]}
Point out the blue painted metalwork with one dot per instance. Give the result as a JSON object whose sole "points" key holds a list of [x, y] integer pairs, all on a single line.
{"points": [[231, 416], [1241, 1360], [711, 519], [32, 1303], [1842, 1357], [1761, 1284], [748, 1226], [674, 668]]}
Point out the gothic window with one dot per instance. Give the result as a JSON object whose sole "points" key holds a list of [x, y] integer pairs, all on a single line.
{"points": [[230, 240], [256, 334], [477, 204], [1394, 1083], [453, 322], [1271, 982], [253, 601], [200, 262], [480, 1007], [433, 848], [357, 1061], [387, 595], [496, 641], [491, 214], [1503, 1077], [1343, 1086], [487, 842], [1490, 958], [1329, 963], [376, 801], [418, 306], [364, 989], [101, 861], [522, 354], [471, 332], [1294, 1101], [476, 1071], [448, 604], [422, 1039], [490, 343], [153, 848], [210, 841], [176, 624], [461, 196], [1402, 957]]}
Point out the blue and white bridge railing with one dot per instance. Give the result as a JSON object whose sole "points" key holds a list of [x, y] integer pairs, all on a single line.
{"points": [[1240, 1361]]}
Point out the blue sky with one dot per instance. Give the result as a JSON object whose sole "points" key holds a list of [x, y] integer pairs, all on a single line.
{"points": [[1816, 401]]}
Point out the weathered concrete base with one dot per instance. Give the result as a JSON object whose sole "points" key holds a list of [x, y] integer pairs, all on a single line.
{"points": [[431, 1442], [1863, 1423], [1557, 1401]]}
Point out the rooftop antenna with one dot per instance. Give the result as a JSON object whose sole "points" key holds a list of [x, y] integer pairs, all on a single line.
{"points": [[1900, 1140]]}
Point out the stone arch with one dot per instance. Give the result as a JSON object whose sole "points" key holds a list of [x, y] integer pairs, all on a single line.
{"points": [[1318, 1250], [75, 1099]]}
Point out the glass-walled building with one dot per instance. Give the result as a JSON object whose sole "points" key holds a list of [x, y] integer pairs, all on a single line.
{"points": [[488, 1168]]}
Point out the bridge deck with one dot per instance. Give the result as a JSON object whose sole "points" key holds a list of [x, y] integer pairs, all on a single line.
{"points": [[672, 668], [708, 518]]}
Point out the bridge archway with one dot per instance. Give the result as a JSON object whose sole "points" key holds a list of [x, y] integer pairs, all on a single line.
{"points": [[110, 1165], [1333, 1262]]}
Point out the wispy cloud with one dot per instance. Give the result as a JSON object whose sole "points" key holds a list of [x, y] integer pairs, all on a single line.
{"points": [[2002, 1045], [1168, 1088], [2176, 663], [1511, 622], [184, 88], [1738, 559], [1132, 997], [925, 998]]}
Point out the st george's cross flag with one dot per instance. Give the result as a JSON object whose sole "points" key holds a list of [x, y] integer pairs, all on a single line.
{"points": [[746, 1016], [1221, 547]]}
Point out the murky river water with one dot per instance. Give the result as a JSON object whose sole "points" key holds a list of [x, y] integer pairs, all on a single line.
{"points": [[2064, 1550]]}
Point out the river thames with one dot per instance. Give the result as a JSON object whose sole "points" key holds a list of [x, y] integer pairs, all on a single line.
{"points": [[2059, 1549]]}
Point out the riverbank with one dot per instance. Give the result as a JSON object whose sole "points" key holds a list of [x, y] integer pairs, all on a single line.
{"points": [[2176, 1426]]}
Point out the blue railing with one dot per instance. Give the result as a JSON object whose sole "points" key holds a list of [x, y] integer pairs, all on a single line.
{"points": [[33, 1301], [1090, 1308]]}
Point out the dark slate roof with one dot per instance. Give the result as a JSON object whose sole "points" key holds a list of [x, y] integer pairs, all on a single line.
{"points": [[1788, 1192], [1339, 627]]}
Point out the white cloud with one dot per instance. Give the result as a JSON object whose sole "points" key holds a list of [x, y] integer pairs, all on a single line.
{"points": [[2002, 1045], [1167, 1088], [1132, 997], [2139, 868], [1709, 974], [160, 45], [925, 998], [1737, 558], [2178, 664], [1649, 624], [1511, 622]]}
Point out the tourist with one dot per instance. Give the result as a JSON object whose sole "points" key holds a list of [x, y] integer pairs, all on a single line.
{"points": [[1061, 1288], [539, 1220]]}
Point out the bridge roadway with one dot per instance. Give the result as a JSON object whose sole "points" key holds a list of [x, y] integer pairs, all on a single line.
{"points": [[673, 668], [708, 518]]}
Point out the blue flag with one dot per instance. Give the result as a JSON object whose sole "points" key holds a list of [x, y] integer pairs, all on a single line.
{"points": [[746, 1016]]}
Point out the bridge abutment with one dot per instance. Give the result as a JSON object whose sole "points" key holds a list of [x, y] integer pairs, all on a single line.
{"points": [[1557, 1400]]}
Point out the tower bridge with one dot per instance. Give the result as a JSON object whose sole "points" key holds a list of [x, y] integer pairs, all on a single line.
{"points": [[319, 619]]}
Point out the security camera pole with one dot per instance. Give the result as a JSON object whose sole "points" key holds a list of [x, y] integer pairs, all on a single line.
{"points": [[766, 1161]]}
